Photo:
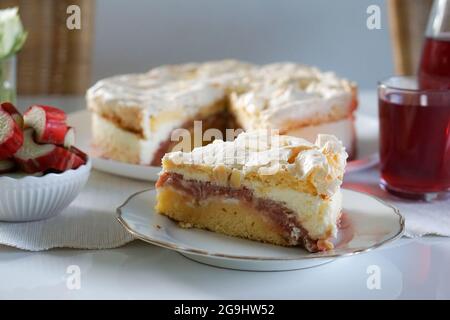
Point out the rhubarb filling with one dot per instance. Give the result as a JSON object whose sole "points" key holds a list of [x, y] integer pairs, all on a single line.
{"points": [[220, 121], [282, 218]]}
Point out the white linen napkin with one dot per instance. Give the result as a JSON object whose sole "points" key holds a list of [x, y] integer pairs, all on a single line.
{"points": [[88, 223], [421, 218]]}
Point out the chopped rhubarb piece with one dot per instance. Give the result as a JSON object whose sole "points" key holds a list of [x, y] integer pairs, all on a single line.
{"points": [[11, 136], [78, 162], [49, 123], [33, 157], [65, 160], [69, 139], [7, 166], [79, 153], [13, 112]]}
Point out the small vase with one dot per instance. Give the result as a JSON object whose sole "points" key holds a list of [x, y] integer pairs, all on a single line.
{"points": [[8, 79]]}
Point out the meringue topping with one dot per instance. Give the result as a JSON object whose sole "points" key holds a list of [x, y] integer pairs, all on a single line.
{"points": [[262, 152]]}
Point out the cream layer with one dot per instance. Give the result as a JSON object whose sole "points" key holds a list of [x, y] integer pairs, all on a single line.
{"points": [[343, 129]]}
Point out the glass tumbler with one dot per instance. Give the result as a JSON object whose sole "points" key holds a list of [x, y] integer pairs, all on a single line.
{"points": [[414, 138]]}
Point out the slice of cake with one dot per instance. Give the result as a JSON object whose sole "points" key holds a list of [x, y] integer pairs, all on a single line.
{"points": [[276, 189]]}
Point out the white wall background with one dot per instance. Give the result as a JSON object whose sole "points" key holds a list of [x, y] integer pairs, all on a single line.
{"points": [[134, 35]]}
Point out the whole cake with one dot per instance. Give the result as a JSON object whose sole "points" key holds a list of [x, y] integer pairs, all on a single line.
{"points": [[277, 189], [134, 116]]}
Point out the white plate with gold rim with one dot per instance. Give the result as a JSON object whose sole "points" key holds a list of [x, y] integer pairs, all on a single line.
{"points": [[368, 223], [367, 148]]}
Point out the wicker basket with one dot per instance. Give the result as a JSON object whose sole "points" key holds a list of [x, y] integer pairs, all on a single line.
{"points": [[54, 60]]}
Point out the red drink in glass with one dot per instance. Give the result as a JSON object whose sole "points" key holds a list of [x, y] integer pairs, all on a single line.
{"points": [[414, 138], [434, 71], [415, 118]]}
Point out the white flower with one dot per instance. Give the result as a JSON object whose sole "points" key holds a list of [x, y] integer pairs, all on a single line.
{"points": [[12, 34]]}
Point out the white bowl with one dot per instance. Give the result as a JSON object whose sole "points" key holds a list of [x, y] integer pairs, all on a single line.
{"points": [[31, 198]]}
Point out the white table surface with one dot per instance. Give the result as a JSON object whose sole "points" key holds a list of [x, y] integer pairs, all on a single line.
{"points": [[408, 268]]}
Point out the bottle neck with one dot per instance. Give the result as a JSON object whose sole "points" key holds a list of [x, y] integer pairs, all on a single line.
{"points": [[439, 20]]}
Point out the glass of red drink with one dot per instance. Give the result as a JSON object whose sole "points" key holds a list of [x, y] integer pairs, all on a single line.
{"points": [[414, 138]]}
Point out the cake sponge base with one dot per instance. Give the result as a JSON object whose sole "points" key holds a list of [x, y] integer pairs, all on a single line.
{"points": [[224, 216]]}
